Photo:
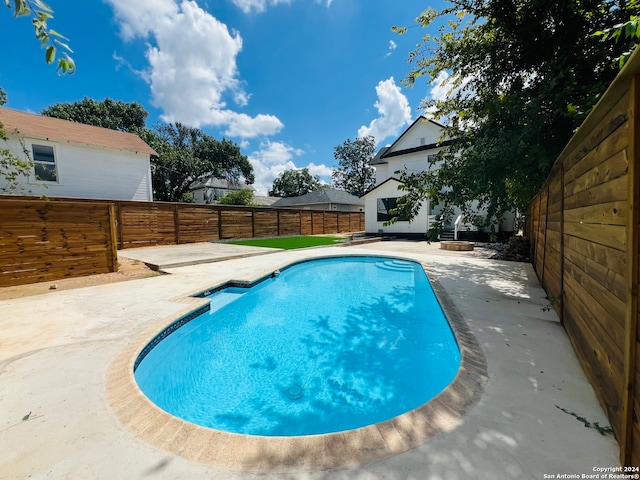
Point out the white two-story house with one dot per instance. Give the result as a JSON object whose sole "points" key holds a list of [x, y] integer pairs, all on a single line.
{"points": [[414, 150]]}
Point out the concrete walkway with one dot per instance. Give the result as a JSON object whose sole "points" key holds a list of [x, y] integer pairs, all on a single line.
{"points": [[55, 349]]}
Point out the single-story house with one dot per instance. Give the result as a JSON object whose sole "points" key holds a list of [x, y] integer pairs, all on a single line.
{"points": [[415, 150], [77, 160], [325, 198], [211, 189]]}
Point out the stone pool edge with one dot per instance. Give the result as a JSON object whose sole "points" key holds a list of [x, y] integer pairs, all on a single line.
{"points": [[267, 454]]}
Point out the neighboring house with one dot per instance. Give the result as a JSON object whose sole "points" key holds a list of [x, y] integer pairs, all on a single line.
{"points": [[325, 198], [77, 160], [211, 189], [413, 150]]}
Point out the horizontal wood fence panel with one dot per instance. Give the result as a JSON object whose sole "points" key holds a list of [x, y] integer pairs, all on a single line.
{"points": [[615, 167], [289, 223], [266, 223], [584, 228], [42, 241], [59, 238]]}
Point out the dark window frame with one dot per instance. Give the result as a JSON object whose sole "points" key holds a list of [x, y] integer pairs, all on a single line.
{"points": [[45, 164]]}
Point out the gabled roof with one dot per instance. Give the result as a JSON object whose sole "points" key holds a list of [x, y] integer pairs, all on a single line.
{"points": [[377, 160], [394, 179], [388, 152], [323, 195], [40, 127], [222, 183]]}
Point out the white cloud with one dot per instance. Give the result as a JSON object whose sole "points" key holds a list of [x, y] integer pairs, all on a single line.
{"points": [[442, 87], [392, 46], [394, 111], [192, 65], [258, 5], [273, 158]]}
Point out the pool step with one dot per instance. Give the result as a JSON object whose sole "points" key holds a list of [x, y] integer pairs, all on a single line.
{"points": [[396, 266], [224, 297]]}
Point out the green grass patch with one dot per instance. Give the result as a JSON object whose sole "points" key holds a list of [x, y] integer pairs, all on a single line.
{"points": [[290, 243]]}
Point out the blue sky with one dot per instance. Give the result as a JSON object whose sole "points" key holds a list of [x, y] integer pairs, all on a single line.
{"points": [[287, 80]]}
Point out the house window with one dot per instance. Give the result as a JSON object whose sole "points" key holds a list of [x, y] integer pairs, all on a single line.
{"points": [[431, 158], [385, 205], [44, 162]]}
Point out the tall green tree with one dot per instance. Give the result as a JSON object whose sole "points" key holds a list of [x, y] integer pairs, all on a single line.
{"points": [[107, 113], [521, 76], [52, 42], [186, 154], [354, 174], [293, 183]]}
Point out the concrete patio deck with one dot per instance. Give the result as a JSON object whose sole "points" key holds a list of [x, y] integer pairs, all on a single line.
{"points": [[56, 420]]}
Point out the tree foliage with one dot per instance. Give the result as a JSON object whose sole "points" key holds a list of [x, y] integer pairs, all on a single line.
{"points": [[293, 183], [108, 113], [238, 197], [354, 174], [13, 167], [52, 42], [521, 76], [629, 30], [186, 154]]}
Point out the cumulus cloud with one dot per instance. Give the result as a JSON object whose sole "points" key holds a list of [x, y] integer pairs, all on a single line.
{"points": [[192, 65], [273, 158], [394, 110]]}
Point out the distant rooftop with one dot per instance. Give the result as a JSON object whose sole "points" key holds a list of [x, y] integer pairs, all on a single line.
{"points": [[323, 195]]}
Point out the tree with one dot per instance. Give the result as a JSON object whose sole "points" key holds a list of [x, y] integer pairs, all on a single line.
{"points": [[49, 39], [186, 154], [108, 113], [521, 76], [12, 167], [354, 174], [238, 197], [293, 183]]}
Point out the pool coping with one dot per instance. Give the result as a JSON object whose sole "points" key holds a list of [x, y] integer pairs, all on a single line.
{"points": [[279, 454]]}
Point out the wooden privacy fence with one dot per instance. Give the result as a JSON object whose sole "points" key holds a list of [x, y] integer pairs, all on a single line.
{"points": [[584, 231], [49, 240], [42, 241], [143, 223]]}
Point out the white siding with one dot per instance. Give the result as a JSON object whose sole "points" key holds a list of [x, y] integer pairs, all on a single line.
{"points": [[428, 131], [390, 190], [91, 172]]}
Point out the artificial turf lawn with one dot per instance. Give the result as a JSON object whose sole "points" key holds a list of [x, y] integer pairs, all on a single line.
{"points": [[290, 243]]}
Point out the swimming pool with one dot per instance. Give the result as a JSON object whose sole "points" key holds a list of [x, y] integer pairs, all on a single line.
{"points": [[324, 346]]}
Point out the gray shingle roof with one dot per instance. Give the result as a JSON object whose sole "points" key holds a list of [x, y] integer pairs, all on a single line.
{"points": [[323, 195]]}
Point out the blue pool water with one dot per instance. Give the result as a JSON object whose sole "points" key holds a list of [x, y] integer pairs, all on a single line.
{"points": [[327, 345]]}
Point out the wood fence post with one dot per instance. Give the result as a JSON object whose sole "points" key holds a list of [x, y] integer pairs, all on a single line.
{"points": [[219, 223], [562, 295], [278, 221], [631, 316], [120, 226], [176, 223], [253, 223], [113, 238]]}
